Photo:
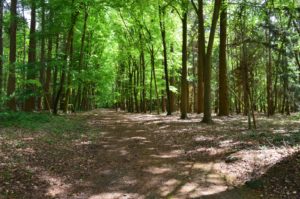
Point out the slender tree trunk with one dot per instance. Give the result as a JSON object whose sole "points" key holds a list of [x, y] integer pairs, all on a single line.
{"points": [[143, 76], [223, 82], [81, 57], [69, 78], [48, 101], [286, 103], [269, 71], [201, 55], [154, 78], [55, 72], [163, 35], [43, 56], [31, 71], [1, 46], [172, 83], [11, 87], [184, 83], [207, 64], [67, 54]]}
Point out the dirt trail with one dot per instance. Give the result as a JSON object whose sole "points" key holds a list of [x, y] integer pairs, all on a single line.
{"points": [[143, 156], [147, 156]]}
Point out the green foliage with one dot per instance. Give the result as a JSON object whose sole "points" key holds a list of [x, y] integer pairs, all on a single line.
{"points": [[39, 121]]}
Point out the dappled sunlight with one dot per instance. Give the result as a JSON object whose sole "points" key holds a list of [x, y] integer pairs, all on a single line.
{"points": [[201, 138], [251, 163], [57, 186], [158, 170], [153, 156], [117, 195], [171, 154], [194, 190], [168, 187], [28, 151]]}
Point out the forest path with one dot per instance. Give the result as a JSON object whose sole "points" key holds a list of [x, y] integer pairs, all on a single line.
{"points": [[150, 156], [117, 155]]}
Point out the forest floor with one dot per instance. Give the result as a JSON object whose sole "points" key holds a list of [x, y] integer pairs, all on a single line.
{"points": [[105, 154]]}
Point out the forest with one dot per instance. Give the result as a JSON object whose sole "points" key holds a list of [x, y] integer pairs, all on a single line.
{"points": [[149, 99]]}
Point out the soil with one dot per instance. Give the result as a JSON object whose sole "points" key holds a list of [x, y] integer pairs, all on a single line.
{"points": [[121, 155]]}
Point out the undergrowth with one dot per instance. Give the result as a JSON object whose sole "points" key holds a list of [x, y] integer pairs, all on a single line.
{"points": [[39, 122]]}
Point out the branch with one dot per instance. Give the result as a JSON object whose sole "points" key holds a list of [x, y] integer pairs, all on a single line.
{"points": [[195, 7], [181, 17]]}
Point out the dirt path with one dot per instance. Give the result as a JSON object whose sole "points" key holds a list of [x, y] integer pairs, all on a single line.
{"points": [[144, 160], [136, 156]]}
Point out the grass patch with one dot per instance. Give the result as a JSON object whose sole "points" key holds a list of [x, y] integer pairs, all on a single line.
{"points": [[40, 121], [296, 117]]}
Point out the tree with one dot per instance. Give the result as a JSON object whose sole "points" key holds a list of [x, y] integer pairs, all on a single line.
{"points": [[42, 64], [11, 86], [223, 84], [201, 55], [67, 54], [184, 83], [207, 62], [31, 71], [1, 46], [162, 11]]}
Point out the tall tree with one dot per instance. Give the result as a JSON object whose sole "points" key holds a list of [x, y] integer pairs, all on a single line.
{"points": [[201, 55], [162, 13], [48, 99], [223, 82], [43, 56], [1, 46], [67, 54], [31, 71], [11, 86], [184, 83], [269, 68], [207, 69]]}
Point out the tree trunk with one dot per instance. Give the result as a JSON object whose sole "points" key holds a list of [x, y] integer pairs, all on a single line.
{"points": [[207, 64], [42, 61], [81, 58], [67, 54], [1, 46], [223, 83], [269, 71], [48, 100], [31, 71], [154, 77], [201, 55], [163, 35], [11, 87], [184, 83]]}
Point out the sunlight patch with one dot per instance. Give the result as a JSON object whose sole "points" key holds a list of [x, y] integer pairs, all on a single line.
{"points": [[57, 187], [252, 163], [171, 154], [168, 187], [117, 195], [157, 170]]}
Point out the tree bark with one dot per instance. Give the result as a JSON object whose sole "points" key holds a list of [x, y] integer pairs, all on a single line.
{"points": [[67, 54], [207, 64], [1, 46], [269, 71], [201, 57], [31, 71], [184, 83], [11, 86], [43, 57], [163, 35], [223, 82]]}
